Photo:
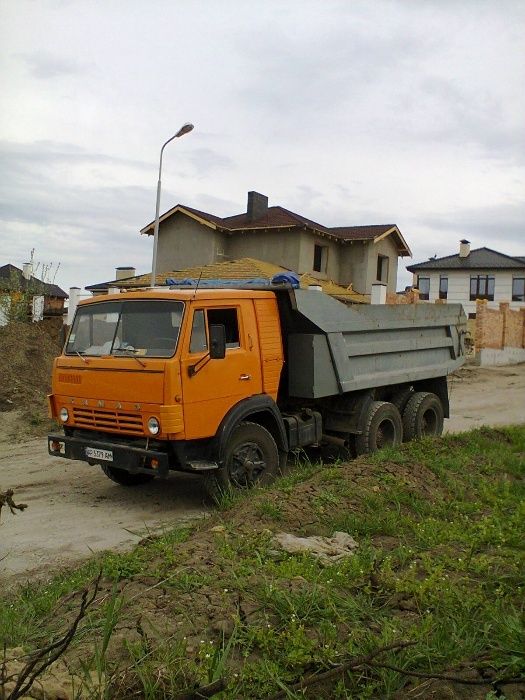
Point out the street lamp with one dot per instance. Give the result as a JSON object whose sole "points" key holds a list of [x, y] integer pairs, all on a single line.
{"points": [[185, 129]]}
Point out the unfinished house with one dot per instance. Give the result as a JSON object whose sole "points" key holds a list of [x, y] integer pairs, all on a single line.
{"points": [[348, 255]]}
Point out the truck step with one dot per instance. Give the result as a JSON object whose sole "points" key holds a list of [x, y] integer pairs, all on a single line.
{"points": [[200, 465]]}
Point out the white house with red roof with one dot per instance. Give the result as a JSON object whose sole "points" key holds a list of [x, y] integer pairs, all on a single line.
{"points": [[356, 255]]}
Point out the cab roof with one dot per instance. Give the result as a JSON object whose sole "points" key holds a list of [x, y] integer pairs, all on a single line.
{"points": [[185, 295]]}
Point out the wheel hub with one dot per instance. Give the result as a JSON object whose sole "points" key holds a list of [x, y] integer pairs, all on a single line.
{"points": [[247, 464]]}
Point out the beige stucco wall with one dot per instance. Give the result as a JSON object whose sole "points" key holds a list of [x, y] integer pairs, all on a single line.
{"points": [[354, 265], [277, 247], [184, 242], [358, 264], [388, 248], [306, 256]]}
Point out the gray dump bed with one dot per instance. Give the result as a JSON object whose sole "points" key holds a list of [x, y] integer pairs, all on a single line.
{"points": [[360, 347]]}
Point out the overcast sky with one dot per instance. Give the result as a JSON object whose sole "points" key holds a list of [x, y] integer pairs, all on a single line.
{"points": [[409, 112]]}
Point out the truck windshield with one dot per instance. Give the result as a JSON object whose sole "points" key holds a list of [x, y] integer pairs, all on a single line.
{"points": [[139, 328]]}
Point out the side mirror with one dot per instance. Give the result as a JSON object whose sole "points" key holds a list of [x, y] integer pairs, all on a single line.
{"points": [[217, 342]]}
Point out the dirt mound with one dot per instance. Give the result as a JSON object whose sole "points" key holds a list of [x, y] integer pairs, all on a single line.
{"points": [[27, 351], [221, 600]]}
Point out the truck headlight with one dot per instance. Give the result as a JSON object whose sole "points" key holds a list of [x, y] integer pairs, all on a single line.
{"points": [[64, 415], [153, 425]]}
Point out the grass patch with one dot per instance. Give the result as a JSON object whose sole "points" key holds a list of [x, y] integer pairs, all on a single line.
{"points": [[440, 563]]}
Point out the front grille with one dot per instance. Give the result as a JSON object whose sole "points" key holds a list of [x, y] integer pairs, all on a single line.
{"points": [[115, 421]]}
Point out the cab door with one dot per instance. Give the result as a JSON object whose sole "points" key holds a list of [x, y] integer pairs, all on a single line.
{"points": [[211, 387]]}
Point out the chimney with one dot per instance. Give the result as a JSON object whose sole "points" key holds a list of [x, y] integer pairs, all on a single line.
{"points": [[27, 270], [378, 295], [122, 272], [257, 205], [464, 248]]}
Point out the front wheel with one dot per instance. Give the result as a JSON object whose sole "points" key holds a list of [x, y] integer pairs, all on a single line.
{"points": [[251, 458], [124, 478], [381, 427]]}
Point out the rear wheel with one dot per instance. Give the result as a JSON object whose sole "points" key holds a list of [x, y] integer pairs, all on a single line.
{"points": [[124, 478], [382, 427], [251, 458], [423, 416], [401, 399]]}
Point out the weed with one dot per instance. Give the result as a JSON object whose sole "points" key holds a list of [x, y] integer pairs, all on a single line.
{"points": [[270, 510]]}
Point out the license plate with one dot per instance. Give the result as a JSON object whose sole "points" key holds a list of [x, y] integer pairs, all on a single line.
{"points": [[94, 453]]}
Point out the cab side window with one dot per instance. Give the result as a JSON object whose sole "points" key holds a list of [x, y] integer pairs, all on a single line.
{"points": [[199, 341], [228, 319]]}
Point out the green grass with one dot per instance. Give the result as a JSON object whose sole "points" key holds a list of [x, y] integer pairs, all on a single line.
{"points": [[440, 526]]}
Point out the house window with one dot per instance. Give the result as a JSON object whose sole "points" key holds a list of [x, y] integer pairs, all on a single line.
{"points": [[228, 319], [518, 289], [423, 284], [382, 268], [482, 287], [320, 258], [443, 287]]}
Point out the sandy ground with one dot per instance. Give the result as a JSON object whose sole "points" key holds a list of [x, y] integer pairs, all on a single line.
{"points": [[75, 510], [486, 396]]}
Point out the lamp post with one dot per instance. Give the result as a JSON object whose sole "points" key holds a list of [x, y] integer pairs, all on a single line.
{"points": [[185, 129]]}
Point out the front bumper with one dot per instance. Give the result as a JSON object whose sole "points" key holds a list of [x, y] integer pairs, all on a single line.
{"points": [[134, 460]]}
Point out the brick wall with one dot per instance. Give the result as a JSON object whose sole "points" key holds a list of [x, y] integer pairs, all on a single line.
{"points": [[409, 297], [500, 334]]}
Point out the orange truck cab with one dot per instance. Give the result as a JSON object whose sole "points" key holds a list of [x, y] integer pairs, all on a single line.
{"points": [[157, 380], [228, 381]]}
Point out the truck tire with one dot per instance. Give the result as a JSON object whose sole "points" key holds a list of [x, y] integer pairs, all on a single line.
{"points": [[423, 415], [124, 478], [401, 399], [251, 458], [382, 427]]}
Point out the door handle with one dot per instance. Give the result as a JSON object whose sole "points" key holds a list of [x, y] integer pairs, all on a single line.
{"points": [[245, 377]]}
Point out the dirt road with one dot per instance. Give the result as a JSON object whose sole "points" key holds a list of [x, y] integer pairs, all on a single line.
{"points": [[486, 396], [75, 510]]}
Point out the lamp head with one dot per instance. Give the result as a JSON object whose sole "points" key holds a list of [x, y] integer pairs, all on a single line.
{"points": [[185, 129]]}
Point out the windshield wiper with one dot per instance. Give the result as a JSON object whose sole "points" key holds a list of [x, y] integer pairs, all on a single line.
{"points": [[129, 353], [82, 358]]}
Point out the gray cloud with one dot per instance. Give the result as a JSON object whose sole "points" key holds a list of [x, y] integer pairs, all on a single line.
{"points": [[439, 111], [206, 160], [346, 112], [326, 71], [493, 226], [25, 156], [45, 66]]}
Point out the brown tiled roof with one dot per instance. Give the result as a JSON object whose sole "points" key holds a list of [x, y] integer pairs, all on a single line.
{"points": [[361, 233], [274, 216], [279, 217], [203, 215]]}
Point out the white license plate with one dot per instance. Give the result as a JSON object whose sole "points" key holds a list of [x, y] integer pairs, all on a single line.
{"points": [[94, 453]]}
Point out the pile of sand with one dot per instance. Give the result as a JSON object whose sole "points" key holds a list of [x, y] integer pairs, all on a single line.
{"points": [[27, 351]]}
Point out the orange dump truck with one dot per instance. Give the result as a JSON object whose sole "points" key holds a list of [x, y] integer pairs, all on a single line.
{"points": [[226, 382]]}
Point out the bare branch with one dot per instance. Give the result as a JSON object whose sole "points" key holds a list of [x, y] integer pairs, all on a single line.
{"points": [[205, 691], [316, 678], [43, 658], [6, 499], [444, 677]]}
